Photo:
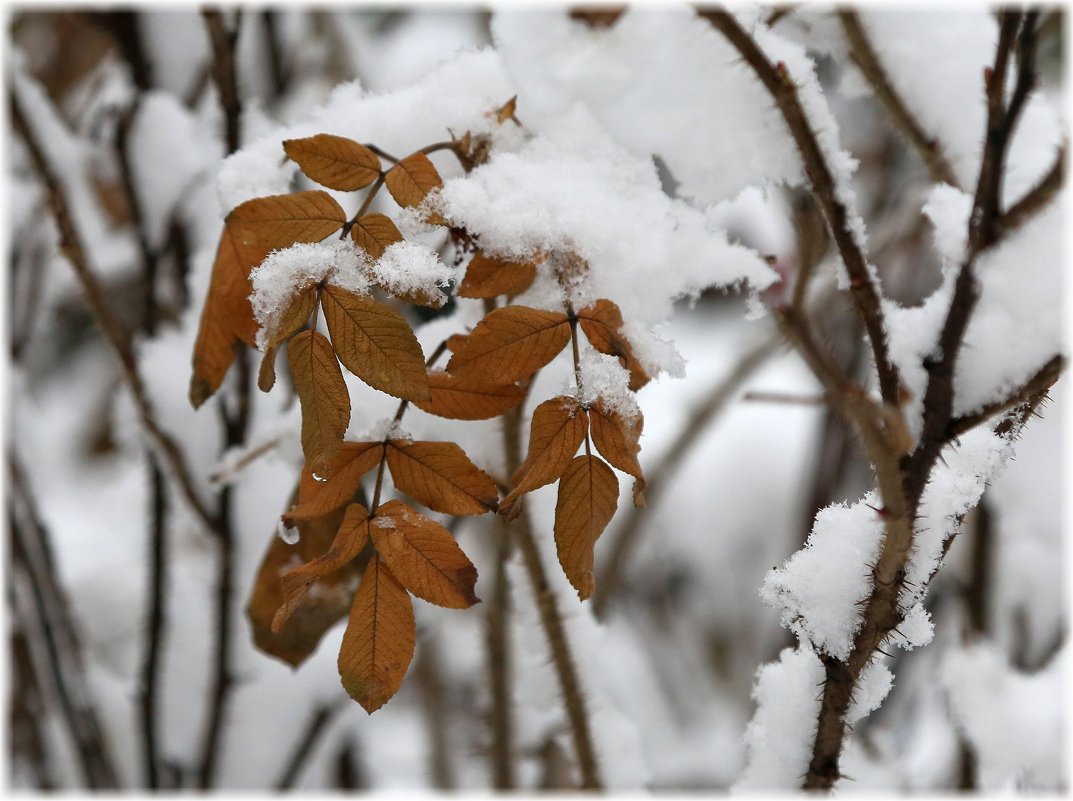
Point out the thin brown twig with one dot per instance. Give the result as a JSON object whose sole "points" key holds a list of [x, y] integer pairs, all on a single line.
{"points": [[1042, 380], [223, 42], [783, 90], [864, 56], [314, 730], [1036, 199]]}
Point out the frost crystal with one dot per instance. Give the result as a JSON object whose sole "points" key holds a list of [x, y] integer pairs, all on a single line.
{"points": [[290, 270]]}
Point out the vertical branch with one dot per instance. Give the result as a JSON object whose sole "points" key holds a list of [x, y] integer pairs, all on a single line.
{"points": [[314, 730], [48, 609], [430, 683], [235, 422]]}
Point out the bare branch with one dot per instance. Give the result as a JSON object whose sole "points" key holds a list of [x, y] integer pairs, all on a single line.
{"points": [[866, 59], [1036, 199], [314, 729], [1041, 381], [865, 294]]}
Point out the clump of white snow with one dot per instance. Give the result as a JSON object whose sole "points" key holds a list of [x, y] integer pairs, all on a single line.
{"points": [[604, 378], [819, 586], [872, 687], [286, 272], [408, 267], [386, 428]]}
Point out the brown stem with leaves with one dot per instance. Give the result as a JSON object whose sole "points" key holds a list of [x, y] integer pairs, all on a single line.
{"points": [[864, 56], [784, 92]]}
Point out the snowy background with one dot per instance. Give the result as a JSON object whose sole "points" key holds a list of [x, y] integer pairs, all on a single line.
{"points": [[649, 150]]}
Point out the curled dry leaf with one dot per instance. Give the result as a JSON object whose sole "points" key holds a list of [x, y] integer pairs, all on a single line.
{"points": [[278, 221], [488, 278], [353, 461], [334, 161], [315, 613], [351, 538], [410, 181], [378, 644], [227, 317], [374, 233], [588, 495], [423, 556], [617, 438], [441, 476], [294, 316], [323, 395], [509, 344], [602, 324], [557, 431], [463, 399], [375, 343]]}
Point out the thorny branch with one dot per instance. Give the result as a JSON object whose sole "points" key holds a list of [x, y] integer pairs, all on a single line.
{"points": [[783, 90]]}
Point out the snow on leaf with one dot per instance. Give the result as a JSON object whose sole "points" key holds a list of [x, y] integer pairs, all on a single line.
{"points": [[334, 161], [509, 344], [465, 399], [375, 343], [588, 496], [323, 395], [348, 543], [278, 221], [602, 324], [424, 557], [413, 272], [441, 476], [374, 233], [556, 432], [378, 644], [294, 316]]}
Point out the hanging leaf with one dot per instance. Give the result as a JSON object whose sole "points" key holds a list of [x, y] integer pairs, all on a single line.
{"points": [[349, 541], [617, 439], [557, 431], [378, 644], [353, 461], [227, 317], [294, 316], [602, 324], [463, 399], [509, 344], [278, 221], [588, 495], [323, 395], [375, 343], [488, 278], [423, 556], [412, 179], [314, 614], [441, 476], [334, 161], [374, 233]]}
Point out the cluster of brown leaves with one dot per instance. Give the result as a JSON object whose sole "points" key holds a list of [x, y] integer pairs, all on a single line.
{"points": [[304, 589]]}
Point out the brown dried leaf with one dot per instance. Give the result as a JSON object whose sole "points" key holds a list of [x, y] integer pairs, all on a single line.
{"points": [[557, 431], [373, 233], [294, 316], [334, 161], [323, 395], [378, 644], [315, 613], [463, 399], [456, 342], [617, 439], [506, 111], [227, 317], [588, 495], [509, 344], [375, 343], [602, 324], [412, 179], [353, 461], [423, 556], [278, 221], [349, 541], [488, 278], [441, 476]]}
